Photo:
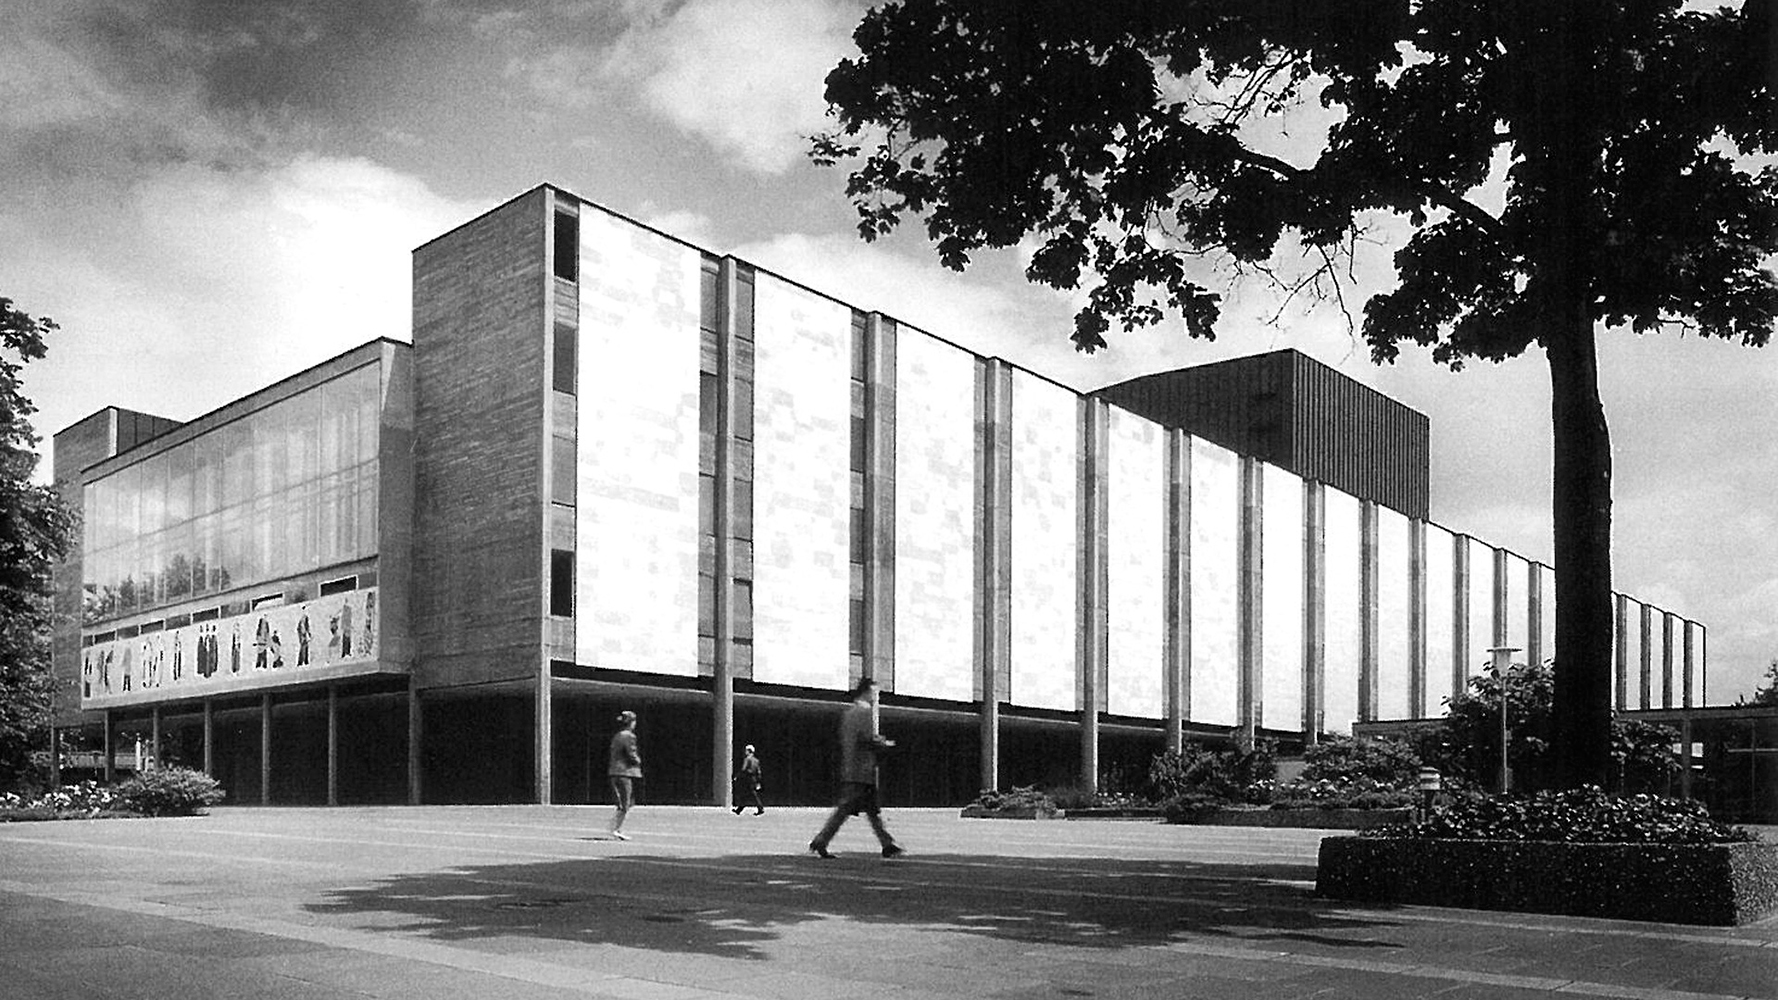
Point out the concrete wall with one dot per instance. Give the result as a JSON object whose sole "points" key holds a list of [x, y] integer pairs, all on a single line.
{"points": [[480, 334], [802, 428], [636, 558]]}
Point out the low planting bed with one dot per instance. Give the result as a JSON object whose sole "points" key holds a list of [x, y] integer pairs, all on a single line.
{"points": [[1314, 818], [1019, 803], [1577, 853]]}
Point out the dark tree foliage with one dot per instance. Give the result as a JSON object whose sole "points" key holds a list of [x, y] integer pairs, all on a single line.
{"points": [[1467, 743], [1766, 694], [1116, 135], [34, 530]]}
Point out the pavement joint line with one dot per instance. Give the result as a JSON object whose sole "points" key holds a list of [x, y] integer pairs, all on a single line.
{"points": [[1626, 929], [1548, 984], [517, 968]]}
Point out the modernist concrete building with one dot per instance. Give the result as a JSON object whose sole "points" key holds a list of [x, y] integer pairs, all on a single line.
{"points": [[614, 470]]}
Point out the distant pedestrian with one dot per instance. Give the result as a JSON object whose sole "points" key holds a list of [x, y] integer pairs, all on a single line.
{"points": [[860, 743], [747, 781], [624, 766]]}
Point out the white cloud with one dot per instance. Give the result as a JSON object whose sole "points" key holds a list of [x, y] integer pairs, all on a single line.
{"points": [[207, 285], [745, 75]]}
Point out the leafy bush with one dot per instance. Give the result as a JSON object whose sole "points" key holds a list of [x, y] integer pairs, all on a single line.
{"points": [[1191, 807], [170, 791], [1075, 796], [1018, 797], [1383, 763], [1233, 774], [1581, 816]]}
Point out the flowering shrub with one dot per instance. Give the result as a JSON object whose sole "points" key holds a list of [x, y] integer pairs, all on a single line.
{"points": [[89, 798], [170, 791], [1327, 793], [1581, 816]]}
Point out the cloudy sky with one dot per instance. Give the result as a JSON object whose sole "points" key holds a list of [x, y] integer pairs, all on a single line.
{"points": [[209, 196]]}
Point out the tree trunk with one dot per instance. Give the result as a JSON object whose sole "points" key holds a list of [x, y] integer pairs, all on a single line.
{"points": [[1581, 477], [1564, 156]]}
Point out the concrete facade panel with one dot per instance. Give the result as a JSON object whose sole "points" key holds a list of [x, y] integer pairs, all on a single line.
{"points": [[1215, 567], [636, 592], [1137, 567], [1518, 605], [1393, 666], [935, 499], [802, 427], [1344, 635], [1045, 543], [1439, 617], [1282, 673], [1481, 606]]}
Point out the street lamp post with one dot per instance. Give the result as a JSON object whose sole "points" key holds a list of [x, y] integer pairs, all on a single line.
{"points": [[1502, 661]]}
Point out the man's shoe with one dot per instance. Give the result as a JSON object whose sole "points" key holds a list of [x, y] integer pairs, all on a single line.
{"points": [[893, 851], [619, 835], [737, 810], [759, 812], [822, 852]]}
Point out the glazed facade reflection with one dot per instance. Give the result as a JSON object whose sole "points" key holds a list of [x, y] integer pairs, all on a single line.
{"points": [[286, 489]]}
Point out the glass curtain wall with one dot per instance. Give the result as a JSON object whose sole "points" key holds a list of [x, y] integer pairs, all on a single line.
{"points": [[284, 490]]}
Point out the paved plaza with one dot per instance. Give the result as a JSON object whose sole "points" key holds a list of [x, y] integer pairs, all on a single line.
{"points": [[531, 901]]}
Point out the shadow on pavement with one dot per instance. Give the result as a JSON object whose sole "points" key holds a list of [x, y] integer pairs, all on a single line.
{"points": [[731, 906]]}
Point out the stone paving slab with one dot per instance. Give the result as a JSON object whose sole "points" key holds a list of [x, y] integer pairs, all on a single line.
{"points": [[522, 901]]}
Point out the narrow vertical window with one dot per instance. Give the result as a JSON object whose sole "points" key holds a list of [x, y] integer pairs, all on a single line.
{"points": [[567, 246], [561, 583], [566, 336]]}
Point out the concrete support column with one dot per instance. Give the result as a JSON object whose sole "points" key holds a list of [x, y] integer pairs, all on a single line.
{"points": [[1459, 613], [1500, 598], [265, 749], [210, 737], [1250, 602], [1417, 618], [110, 750], [879, 500], [1367, 611], [722, 675], [1314, 611], [154, 737], [1685, 755], [1177, 649], [333, 745], [1691, 661], [1093, 620], [1647, 662], [1667, 619], [994, 569], [55, 757], [1534, 653], [1620, 650], [415, 722]]}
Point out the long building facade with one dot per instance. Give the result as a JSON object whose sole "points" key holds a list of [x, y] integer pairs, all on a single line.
{"points": [[614, 470]]}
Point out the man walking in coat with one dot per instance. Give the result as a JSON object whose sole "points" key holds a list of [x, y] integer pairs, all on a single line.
{"points": [[859, 745]]}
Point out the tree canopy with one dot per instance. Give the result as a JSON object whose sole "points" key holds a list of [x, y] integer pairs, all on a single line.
{"points": [[34, 531], [1554, 167]]}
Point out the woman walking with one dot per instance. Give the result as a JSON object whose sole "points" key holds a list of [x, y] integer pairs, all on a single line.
{"points": [[624, 766]]}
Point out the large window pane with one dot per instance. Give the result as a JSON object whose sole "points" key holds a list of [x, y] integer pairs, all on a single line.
{"points": [[303, 428], [367, 509], [179, 484], [237, 462], [369, 386], [207, 475], [178, 561], [271, 450]]}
